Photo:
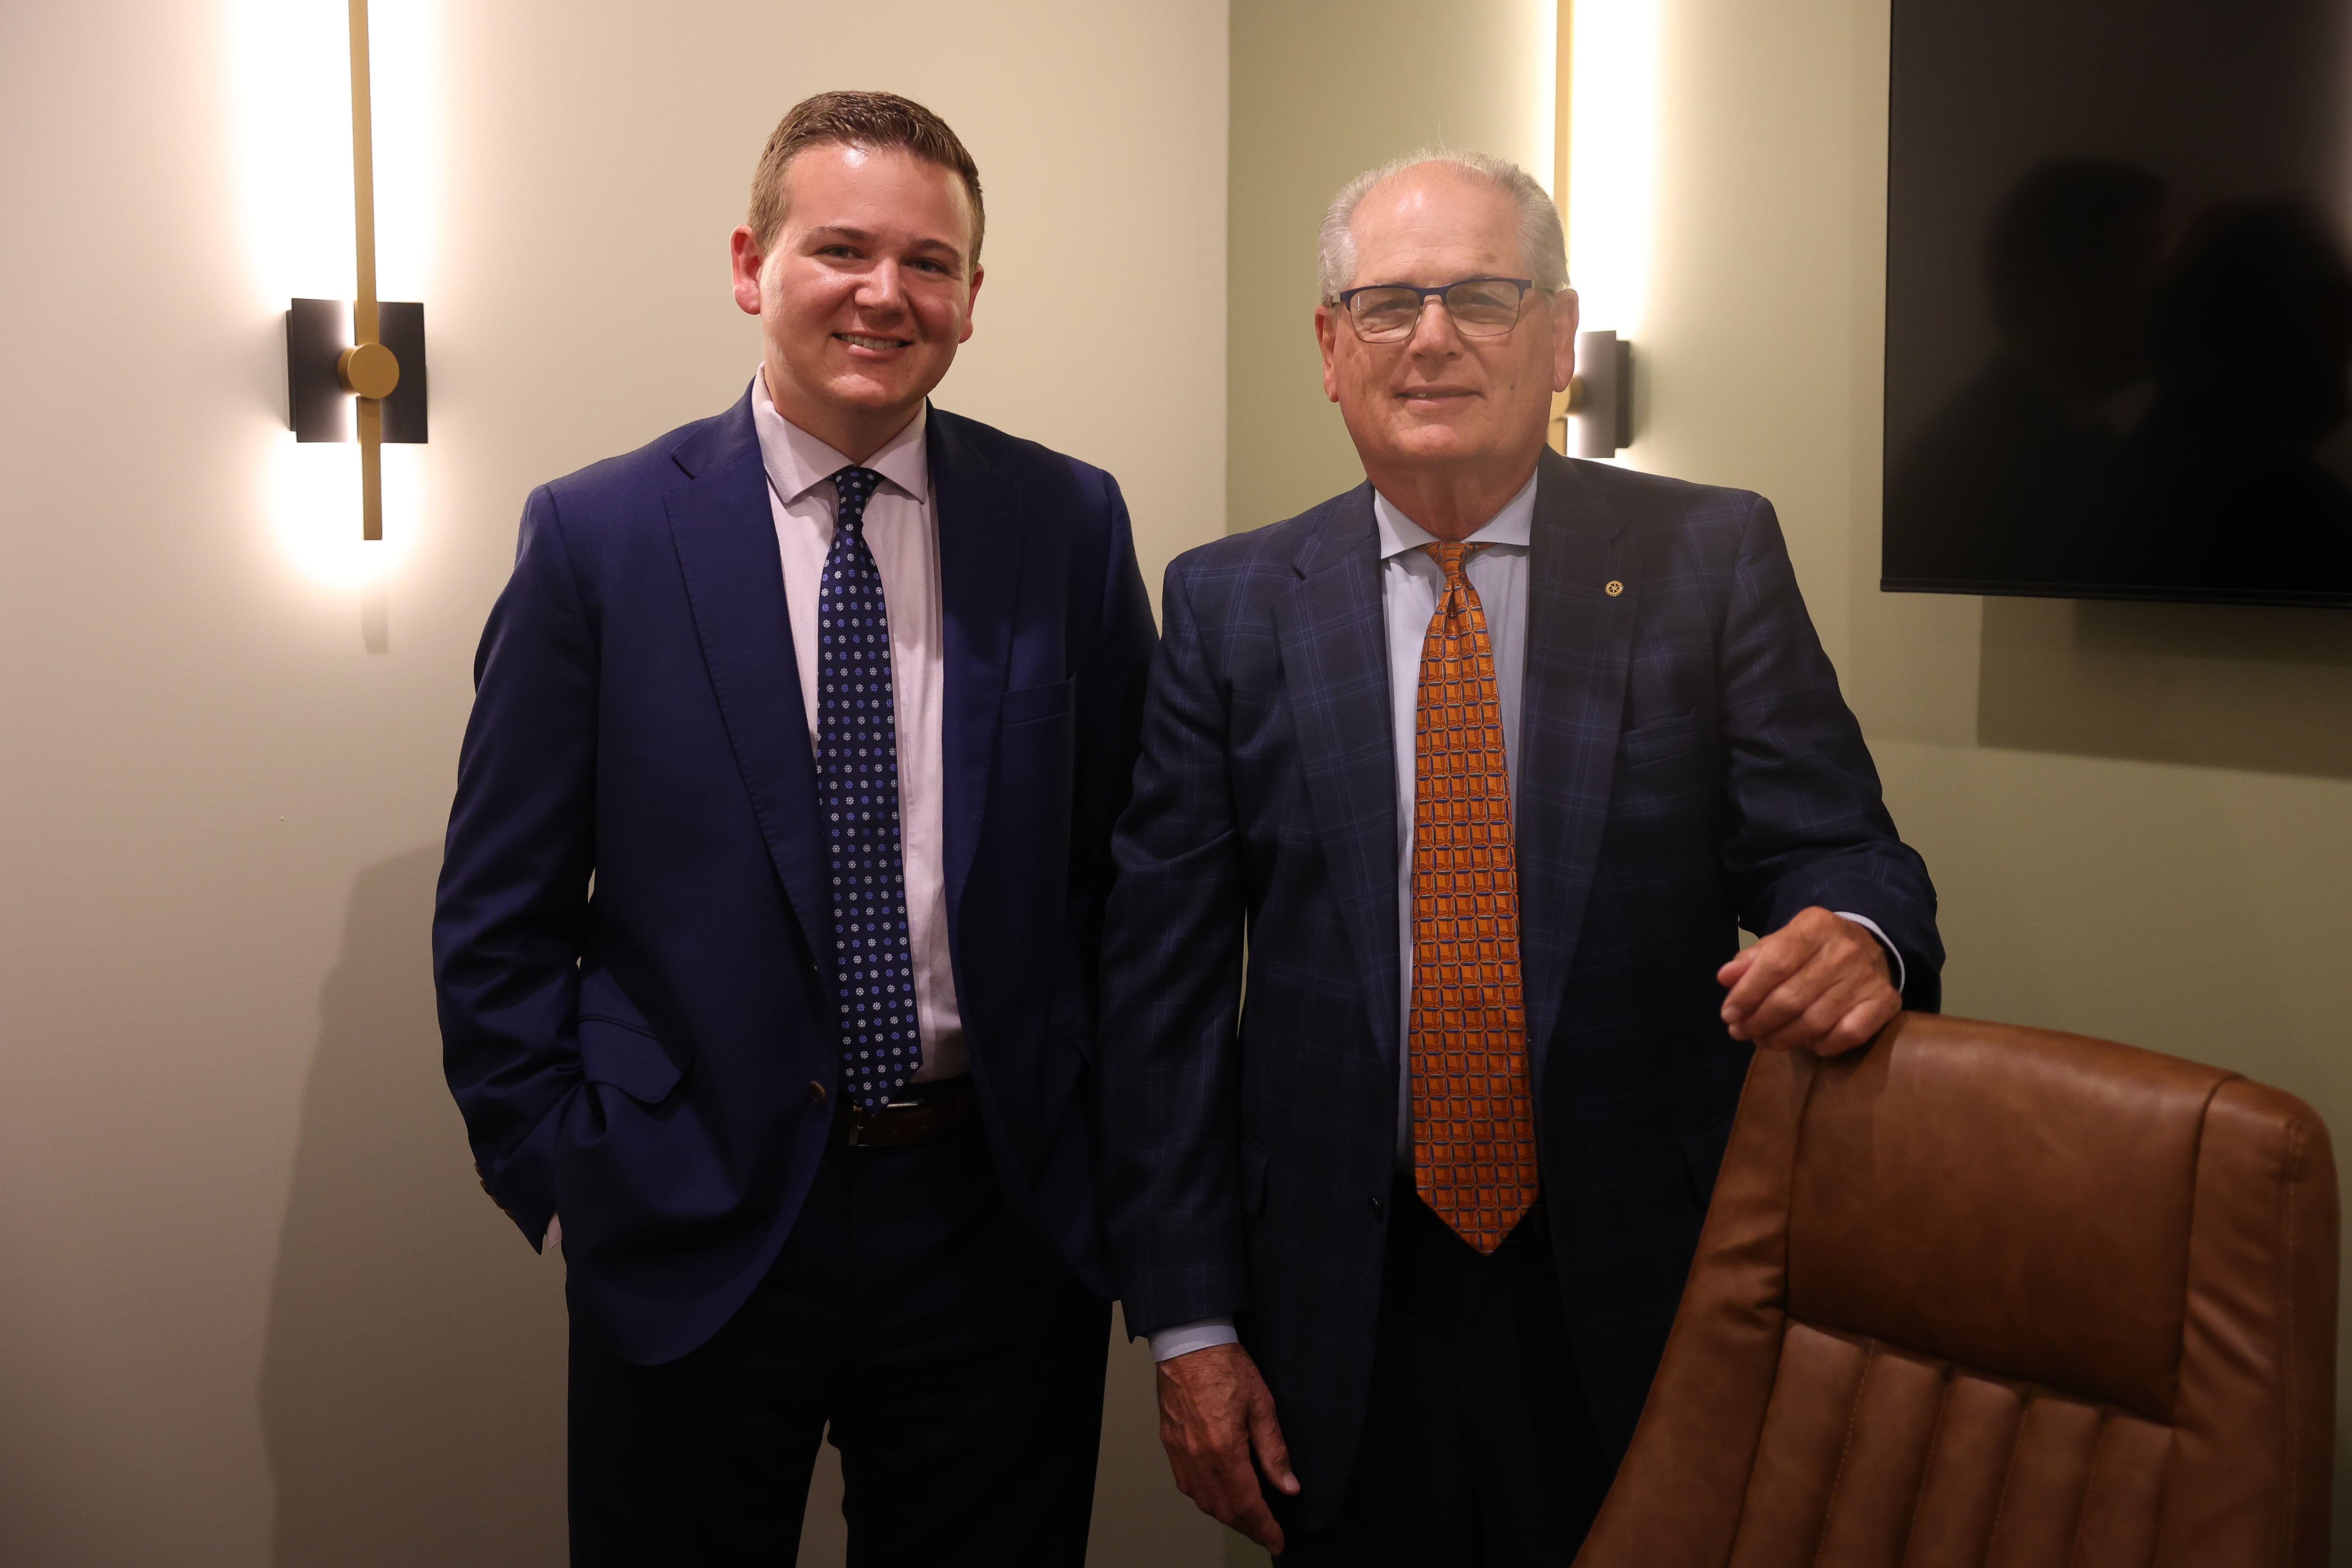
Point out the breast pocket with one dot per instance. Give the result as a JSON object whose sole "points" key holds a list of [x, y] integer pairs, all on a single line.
{"points": [[1660, 740], [1024, 865], [1033, 703]]}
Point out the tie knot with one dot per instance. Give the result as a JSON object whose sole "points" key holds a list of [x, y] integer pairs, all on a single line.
{"points": [[1451, 556], [853, 487]]}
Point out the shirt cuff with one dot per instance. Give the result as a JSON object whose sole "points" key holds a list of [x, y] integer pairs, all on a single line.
{"points": [[1185, 1338], [555, 1229], [1894, 955]]}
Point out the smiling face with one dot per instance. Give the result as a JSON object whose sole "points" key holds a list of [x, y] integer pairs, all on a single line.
{"points": [[864, 292], [1439, 409]]}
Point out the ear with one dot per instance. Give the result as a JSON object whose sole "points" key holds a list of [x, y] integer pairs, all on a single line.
{"points": [[971, 300], [1565, 314], [1327, 331], [744, 261]]}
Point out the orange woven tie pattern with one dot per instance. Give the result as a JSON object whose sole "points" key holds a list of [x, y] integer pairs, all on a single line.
{"points": [[1474, 1130]]}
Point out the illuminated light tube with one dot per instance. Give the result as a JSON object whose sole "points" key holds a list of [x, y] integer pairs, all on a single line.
{"points": [[1609, 145]]}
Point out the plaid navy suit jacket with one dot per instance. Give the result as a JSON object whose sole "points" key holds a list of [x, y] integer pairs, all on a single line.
{"points": [[1687, 768]]}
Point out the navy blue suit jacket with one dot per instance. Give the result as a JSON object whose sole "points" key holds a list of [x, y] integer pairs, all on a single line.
{"points": [[1687, 767], [656, 1059]]}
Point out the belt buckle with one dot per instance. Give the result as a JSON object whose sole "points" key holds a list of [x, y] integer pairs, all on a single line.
{"points": [[860, 1118]]}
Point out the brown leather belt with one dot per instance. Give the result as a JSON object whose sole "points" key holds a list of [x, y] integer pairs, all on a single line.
{"points": [[928, 1112]]}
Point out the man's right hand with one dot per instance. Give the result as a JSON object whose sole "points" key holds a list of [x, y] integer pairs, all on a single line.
{"points": [[1214, 1409]]}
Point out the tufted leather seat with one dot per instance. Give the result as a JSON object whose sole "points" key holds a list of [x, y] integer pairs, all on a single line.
{"points": [[1985, 1295]]}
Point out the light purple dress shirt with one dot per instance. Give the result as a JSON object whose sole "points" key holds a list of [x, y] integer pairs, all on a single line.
{"points": [[903, 533]]}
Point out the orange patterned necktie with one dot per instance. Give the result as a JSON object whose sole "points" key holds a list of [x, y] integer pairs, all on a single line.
{"points": [[1474, 1129]]}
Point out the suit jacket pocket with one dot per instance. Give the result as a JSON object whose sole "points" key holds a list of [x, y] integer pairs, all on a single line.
{"points": [[1659, 740], [628, 1059], [618, 1046], [1034, 702]]}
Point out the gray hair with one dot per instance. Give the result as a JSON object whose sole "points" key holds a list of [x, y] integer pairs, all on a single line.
{"points": [[1540, 236]]}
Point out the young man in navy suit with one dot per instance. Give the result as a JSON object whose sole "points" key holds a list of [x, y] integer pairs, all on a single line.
{"points": [[768, 929], [1482, 765]]}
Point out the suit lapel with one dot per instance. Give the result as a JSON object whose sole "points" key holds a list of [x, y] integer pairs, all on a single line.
{"points": [[978, 515], [1333, 638], [724, 535], [1579, 644]]}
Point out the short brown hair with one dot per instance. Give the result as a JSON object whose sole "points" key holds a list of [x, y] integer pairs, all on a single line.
{"points": [[873, 120]]}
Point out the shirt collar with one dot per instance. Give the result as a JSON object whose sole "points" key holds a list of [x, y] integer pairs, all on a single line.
{"points": [[797, 462], [1515, 525]]}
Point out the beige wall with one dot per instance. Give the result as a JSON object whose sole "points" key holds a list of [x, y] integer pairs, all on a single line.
{"points": [[2139, 817], [252, 1306]]}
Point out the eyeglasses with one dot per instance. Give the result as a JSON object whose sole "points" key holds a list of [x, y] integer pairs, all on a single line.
{"points": [[1481, 307]]}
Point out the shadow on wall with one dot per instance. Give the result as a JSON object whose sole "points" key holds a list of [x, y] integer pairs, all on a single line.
{"points": [[2224, 686], [412, 1383]]}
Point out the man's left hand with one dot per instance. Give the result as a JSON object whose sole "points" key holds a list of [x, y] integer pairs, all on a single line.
{"points": [[1819, 983]]}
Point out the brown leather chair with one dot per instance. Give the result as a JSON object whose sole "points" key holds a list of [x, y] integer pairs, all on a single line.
{"points": [[1986, 1295]]}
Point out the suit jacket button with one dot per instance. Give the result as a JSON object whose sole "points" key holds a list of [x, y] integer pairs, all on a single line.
{"points": [[1378, 1208], [816, 1092]]}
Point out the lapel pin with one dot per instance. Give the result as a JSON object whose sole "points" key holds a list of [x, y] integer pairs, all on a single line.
{"points": [[1614, 588]]}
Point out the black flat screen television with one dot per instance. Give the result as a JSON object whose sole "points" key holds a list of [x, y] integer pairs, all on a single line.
{"points": [[2119, 299]]}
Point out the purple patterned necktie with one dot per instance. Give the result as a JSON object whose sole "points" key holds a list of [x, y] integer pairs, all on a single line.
{"points": [[857, 789]]}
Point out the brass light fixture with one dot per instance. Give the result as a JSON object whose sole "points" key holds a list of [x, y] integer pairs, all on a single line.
{"points": [[355, 370]]}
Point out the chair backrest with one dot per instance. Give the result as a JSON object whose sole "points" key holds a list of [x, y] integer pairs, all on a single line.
{"points": [[1985, 1295]]}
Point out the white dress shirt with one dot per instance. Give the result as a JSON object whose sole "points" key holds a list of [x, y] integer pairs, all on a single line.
{"points": [[903, 534], [1410, 582]]}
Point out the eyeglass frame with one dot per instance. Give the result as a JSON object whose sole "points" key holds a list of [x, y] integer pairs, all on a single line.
{"points": [[1526, 286]]}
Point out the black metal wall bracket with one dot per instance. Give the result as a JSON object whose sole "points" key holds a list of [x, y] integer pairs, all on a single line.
{"points": [[318, 407], [1603, 399]]}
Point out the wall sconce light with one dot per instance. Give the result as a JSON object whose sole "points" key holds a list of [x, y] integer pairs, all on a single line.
{"points": [[1601, 395], [1594, 417], [356, 369]]}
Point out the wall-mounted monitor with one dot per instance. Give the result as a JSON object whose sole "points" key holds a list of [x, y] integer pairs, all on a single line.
{"points": [[2119, 299]]}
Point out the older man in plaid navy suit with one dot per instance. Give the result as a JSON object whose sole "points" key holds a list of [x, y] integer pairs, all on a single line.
{"points": [[1479, 768]]}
